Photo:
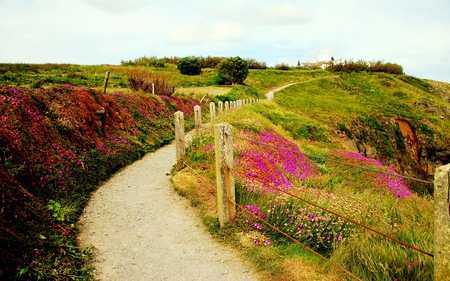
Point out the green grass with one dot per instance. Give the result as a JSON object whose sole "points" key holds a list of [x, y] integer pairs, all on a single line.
{"points": [[349, 193]]}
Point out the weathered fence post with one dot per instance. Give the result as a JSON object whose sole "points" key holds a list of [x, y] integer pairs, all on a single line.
{"points": [[212, 111], [198, 117], [105, 82], [442, 223], [224, 172], [227, 107], [220, 105], [179, 135]]}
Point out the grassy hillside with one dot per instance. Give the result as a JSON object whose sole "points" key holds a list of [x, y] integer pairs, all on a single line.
{"points": [[393, 123], [61, 137], [400, 120], [274, 165]]}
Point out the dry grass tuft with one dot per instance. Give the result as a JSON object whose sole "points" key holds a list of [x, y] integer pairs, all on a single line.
{"points": [[305, 271], [198, 189]]}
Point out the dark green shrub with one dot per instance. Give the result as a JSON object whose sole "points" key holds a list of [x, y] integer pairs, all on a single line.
{"points": [[189, 66], [142, 61], [234, 69], [282, 66], [360, 65], [156, 63]]}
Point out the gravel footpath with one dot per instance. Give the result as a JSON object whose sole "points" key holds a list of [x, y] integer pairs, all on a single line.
{"points": [[143, 230]]}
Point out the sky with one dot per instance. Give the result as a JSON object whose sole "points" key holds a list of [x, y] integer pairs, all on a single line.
{"points": [[412, 33]]}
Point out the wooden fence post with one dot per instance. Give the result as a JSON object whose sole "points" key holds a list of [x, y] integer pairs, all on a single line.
{"points": [[212, 111], [224, 172], [105, 82], [442, 223], [198, 117], [179, 135], [220, 105], [227, 107]]}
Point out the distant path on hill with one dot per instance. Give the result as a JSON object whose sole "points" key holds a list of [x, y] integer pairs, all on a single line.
{"points": [[143, 230], [270, 95]]}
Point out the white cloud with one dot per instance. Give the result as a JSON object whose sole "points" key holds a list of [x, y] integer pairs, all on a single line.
{"points": [[282, 13], [184, 35], [116, 6], [227, 32], [197, 35]]}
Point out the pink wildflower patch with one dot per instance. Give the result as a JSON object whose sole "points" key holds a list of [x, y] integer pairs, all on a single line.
{"points": [[272, 163], [392, 183]]}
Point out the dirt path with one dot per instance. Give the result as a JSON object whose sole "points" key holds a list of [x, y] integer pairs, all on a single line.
{"points": [[270, 95], [143, 230]]}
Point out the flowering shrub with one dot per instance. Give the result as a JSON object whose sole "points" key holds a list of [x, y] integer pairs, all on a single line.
{"points": [[248, 218], [271, 163], [309, 225], [56, 146], [392, 184]]}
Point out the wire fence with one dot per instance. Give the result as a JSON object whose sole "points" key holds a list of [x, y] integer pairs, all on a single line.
{"points": [[296, 197]]}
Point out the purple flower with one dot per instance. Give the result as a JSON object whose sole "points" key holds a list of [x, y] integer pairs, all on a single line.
{"points": [[257, 226]]}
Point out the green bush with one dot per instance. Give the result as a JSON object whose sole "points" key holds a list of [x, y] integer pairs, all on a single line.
{"points": [[360, 66], [282, 66], [189, 66], [234, 69], [156, 63], [254, 64]]}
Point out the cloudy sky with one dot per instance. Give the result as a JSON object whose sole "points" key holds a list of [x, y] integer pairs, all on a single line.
{"points": [[412, 33]]}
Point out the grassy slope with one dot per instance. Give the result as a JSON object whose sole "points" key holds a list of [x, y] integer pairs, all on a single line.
{"points": [[315, 114], [301, 113], [364, 109]]}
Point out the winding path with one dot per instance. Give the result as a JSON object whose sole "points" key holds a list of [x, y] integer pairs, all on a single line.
{"points": [[143, 230]]}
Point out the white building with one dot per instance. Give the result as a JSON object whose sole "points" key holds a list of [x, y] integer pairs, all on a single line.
{"points": [[323, 59]]}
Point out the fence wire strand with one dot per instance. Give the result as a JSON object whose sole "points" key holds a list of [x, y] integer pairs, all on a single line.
{"points": [[298, 242], [330, 211], [212, 159], [353, 221], [336, 161]]}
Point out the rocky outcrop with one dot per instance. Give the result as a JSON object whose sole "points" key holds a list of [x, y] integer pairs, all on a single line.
{"points": [[408, 148], [410, 139]]}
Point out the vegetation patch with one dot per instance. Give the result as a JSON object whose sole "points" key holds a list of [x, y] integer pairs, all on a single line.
{"points": [[268, 165], [74, 139]]}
